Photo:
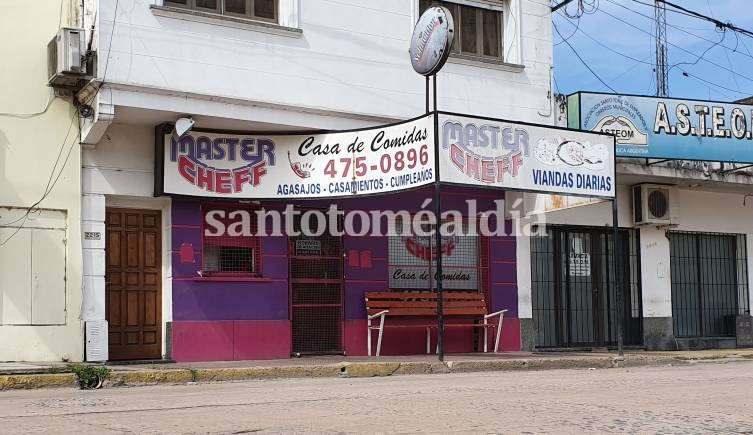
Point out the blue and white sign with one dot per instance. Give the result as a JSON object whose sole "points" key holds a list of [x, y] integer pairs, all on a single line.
{"points": [[666, 128]]}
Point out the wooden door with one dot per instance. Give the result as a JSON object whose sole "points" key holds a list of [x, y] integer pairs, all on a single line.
{"points": [[133, 288]]}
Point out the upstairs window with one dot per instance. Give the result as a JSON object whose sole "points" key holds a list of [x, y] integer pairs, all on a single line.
{"points": [[478, 30], [264, 10]]}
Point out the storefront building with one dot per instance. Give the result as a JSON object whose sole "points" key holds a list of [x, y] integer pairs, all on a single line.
{"points": [[685, 222], [158, 287]]}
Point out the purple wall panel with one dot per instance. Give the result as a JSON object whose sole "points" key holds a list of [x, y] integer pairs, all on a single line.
{"points": [[505, 297], [355, 305], [274, 267], [503, 248], [186, 235], [212, 300], [377, 245], [186, 270], [264, 300], [186, 212], [377, 272], [274, 245], [504, 272]]}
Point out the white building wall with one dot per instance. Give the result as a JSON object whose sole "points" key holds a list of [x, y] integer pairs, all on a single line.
{"points": [[40, 252], [351, 58]]}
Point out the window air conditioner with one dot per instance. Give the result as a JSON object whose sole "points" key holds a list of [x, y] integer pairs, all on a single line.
{"points": [[655, 205], [67, 59]]}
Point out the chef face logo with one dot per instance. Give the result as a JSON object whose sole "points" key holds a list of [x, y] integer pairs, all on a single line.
{"points": [[222, 165], [571, 153], [623, 128], [422, 247]]}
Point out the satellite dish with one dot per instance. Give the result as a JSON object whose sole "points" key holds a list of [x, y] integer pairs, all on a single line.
{"points": [[432, 40]]}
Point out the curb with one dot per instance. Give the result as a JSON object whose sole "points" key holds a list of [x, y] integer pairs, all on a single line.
{"points": [[182, 376]]}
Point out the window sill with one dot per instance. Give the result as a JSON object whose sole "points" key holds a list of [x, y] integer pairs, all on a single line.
{"points": [[225, 20], [486, 63], [229, 279]]}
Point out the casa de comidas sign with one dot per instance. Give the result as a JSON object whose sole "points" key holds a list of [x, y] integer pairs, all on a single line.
{"points": [[472, 151]]}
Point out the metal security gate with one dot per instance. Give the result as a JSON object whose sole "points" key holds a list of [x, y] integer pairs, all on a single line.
{"points": [[574, 299], [316, 292], [709, 283]]}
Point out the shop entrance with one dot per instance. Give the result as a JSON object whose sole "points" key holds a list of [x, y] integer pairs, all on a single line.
{"points": [[316, 291], [133, 283], [574, 300]]}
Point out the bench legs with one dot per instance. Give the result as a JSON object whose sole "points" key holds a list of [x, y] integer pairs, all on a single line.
{"points": [[501, 315], [369, 328]]}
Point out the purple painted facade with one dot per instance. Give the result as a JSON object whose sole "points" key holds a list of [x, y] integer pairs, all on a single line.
{"points": [[239, 316]]}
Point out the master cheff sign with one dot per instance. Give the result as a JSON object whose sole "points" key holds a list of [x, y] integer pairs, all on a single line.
{"points": [[667, 128], [495, 153], [337, 164]]}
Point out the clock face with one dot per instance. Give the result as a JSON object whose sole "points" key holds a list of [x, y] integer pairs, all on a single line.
{"points": [[432, 40]]}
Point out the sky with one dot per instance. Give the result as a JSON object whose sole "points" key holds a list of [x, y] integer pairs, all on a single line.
{"points": [[615, 38]]}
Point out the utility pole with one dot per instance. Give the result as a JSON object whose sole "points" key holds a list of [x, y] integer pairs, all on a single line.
{"points": [[662, 73]]}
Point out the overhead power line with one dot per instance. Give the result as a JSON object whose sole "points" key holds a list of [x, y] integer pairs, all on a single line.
{"points": [[604, 46], [583, 61], [672, 44], [719, 24], [684, 29]]}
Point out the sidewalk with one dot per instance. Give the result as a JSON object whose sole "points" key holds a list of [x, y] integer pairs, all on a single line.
{"points": [[40, 375]]}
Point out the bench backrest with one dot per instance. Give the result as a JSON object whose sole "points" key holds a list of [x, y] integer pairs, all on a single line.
{"points": [[425, 303]]}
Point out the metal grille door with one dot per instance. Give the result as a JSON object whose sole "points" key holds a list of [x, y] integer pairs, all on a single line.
{"points": [[316, 287], [574, 299], [709, 283]]}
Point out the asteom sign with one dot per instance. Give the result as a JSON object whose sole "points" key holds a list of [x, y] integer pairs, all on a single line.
{"points": [[496, 153], [325, 165], [667, 128], [432, 40]]}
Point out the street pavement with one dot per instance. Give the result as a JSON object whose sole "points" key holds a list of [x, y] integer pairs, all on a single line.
{"points": [[696, 398]]}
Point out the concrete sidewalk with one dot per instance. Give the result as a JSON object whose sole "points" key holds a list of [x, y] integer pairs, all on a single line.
{"points": [[31, 375]]}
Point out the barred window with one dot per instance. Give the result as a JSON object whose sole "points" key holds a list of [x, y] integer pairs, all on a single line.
{"points": [[709, 282], [265, 10], [478, 30], [236, 251], [413, 260]]}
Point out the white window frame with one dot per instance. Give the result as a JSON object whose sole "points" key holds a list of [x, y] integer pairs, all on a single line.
{"points": [[287, 23], [510, 33], [221, 10]]}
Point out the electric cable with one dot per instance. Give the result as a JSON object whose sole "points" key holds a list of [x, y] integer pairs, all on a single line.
{"points": [[676, 27], [676, 46], [582, 61], [51, 185]]}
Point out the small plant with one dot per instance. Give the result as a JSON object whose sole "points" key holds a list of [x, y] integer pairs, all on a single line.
{"points": [[89, 376]]}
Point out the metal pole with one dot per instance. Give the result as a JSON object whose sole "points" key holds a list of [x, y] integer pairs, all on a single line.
{"points": [[427, 95], [438, 234], [616, 275]]}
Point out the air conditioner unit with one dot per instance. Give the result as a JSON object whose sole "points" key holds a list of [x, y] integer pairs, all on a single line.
{"points": [[655, 205], [96, 340], [67, 59]]}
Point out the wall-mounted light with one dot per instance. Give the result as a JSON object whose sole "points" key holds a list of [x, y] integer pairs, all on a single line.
{"points": [[182, 126]]}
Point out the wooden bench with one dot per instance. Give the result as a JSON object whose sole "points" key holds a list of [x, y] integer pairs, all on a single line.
{"points": [[424, 304]]}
